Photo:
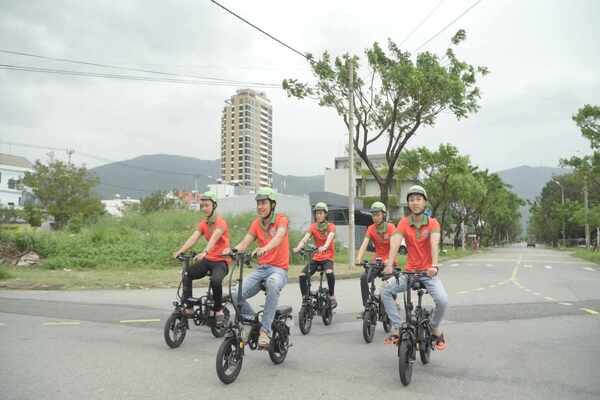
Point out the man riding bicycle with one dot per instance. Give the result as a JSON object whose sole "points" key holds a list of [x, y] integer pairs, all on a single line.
{"points": [[270, 230], [422, 235], [323, 233], [379, 233], [210, 261]]}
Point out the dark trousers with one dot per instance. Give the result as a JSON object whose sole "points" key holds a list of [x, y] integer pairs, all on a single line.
{"points": [[217, 270], [310, 269]]}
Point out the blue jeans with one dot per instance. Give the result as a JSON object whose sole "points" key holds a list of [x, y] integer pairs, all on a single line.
{"points": [[275, 279], [434, 287]]}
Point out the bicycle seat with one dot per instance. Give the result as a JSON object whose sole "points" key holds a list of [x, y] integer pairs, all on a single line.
{"points": [[418, 285], [283, 310]]}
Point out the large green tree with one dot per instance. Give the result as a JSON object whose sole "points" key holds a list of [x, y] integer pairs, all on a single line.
{"points": [[394, 96], [65, 191]]}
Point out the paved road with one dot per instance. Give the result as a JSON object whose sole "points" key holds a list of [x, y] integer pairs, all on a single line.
{"points": [[523, 324]]}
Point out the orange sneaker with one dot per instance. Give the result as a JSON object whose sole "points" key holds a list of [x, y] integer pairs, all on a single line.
{"points": [[439, 342]]}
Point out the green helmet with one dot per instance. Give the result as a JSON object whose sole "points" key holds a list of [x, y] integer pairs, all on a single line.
{"points": [[321, 206], [378, 206], [416, 189], [265, 193], [210, 195]]}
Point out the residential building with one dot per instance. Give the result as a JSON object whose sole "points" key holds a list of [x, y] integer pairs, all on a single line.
{"points": [[247, 140], [12, 172], [117, 206], [336, 181]]}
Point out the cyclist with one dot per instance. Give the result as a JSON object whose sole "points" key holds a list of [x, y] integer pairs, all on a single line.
{"points": [[422, 235], [379, 233], [210, 261], [270, 230], [323, 234]]}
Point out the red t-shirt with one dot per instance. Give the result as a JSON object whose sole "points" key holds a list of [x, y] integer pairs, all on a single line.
{"points": [[207, 230], [320, 239], [381, 241], [279, 256], [418, 242]]}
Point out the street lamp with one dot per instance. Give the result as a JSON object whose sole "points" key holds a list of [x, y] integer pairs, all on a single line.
{"points": [[562, 193]]}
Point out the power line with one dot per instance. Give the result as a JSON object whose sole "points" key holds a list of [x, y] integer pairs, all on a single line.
{"points": [[433, 10], [261, 31], [448, 25], [134, 77], [95, 64]]}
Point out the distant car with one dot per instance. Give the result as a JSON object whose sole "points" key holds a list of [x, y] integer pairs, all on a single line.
{"points": [[530, 242]]}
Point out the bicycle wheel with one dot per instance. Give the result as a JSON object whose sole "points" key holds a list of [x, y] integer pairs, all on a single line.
{"points": [[278, 348], [387, 325], [327, 313], [229, 359], [405, 366], [369, 323], [305, 320], [424, 335], [175, 330], [219, 331]]}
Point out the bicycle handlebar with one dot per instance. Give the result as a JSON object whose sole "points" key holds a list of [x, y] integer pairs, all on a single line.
{"points": [[186, 256]]}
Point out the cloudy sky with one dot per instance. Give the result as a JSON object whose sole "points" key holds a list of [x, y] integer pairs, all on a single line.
{"points": [[543, 55]]}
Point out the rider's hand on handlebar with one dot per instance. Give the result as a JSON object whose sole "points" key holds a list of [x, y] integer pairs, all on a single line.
{"points": [[322, 249], [388, 271], [226, 251], [200, 256], [431, 272], [259, 251], [177, 253], [297, 249]]}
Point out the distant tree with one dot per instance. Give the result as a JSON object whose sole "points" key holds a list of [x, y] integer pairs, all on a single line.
{"points": [[65, 191]]}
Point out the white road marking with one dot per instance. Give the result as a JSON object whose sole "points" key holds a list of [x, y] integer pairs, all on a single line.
{"points": [[479, 289], [463, 292], [454, 265], [549, 299], [589, 269], [61, 323], [537, 294], [489, 265], [548, 266], [565, 304], [492, 286], [501, 283], [136, 321], [589, 311]]}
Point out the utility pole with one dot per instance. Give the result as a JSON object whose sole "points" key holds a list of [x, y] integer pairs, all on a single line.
{"points": [[69, 154], [586, 205], [562, 195], [351, 249]]}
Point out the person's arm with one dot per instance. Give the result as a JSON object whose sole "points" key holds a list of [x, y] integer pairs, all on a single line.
{"points": [[188, 244], [362, 250], [246, 241], [276, 241], [216, 235], [330, 237], [435, 251], [302, 242], [395, 242]]}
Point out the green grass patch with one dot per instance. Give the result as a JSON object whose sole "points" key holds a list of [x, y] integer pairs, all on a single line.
{"points": [[4, 274], [588, 255]]}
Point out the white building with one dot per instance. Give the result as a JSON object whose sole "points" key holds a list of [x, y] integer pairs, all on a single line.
{"points": [[117, 206], [336, 181], [223, 190], [12, 171]]}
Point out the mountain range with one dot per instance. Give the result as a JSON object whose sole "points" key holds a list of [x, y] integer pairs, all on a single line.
{"points": [[143, 175]]}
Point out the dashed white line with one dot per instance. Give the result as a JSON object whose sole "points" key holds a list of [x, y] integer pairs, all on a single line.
{"points": [[549, 299], [463, 292], [479, 289], [61, 323], [454, 265], [548, 266], [589, 311], [537, 294], [136, 321], [589, 269], [565, 304]]}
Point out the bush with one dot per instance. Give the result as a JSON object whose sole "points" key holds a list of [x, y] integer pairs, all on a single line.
{"points": [[4, 274]]}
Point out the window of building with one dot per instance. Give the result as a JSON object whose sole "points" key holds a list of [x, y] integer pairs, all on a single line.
{"points": [[12, 184]]}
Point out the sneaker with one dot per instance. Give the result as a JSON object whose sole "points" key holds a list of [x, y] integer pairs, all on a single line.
{"points": [[333, 301], [393, 338], [263, 339], [439, 342]]}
